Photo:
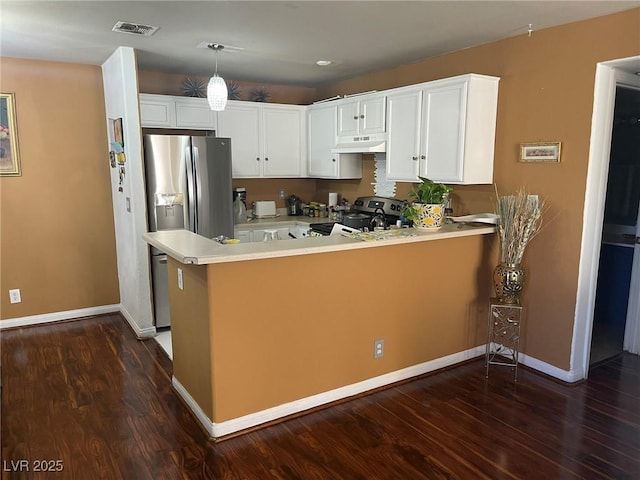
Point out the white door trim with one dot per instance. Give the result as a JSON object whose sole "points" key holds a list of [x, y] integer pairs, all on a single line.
{"points": [[608, 74], [632, 330]]}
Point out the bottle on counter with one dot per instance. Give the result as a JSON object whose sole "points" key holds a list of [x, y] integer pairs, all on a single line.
{"points": [[239, 211]]}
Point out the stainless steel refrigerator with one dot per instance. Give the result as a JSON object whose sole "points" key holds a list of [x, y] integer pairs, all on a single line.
{"points": [[188, 184]]}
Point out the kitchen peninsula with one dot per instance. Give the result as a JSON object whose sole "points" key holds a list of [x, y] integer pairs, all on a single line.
{"points": [[261, 331]]}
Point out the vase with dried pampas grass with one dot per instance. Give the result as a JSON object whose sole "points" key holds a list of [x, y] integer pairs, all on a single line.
{"points": [[519, 221]]}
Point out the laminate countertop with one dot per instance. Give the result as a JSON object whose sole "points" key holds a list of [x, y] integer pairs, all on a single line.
{"points": [[189, 248]]}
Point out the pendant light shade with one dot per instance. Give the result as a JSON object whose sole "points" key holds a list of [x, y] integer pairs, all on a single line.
{"points": [[217, 89], [217, 93]]}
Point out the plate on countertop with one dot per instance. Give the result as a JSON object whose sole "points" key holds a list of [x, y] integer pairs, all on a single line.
{"points": [[490, 218]]}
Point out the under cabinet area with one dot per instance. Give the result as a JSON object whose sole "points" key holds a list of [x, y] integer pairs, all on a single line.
{"points": [[284, 231], [166, 111], [366, 115], [266, 140], [443, 130], [322, 163]]}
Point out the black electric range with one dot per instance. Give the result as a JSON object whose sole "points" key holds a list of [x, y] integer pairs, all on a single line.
{"points": [[364, 209]]}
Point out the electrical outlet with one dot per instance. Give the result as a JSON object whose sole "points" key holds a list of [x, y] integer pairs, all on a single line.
{"points": [[378, 348], [281, 193], [14, 296], [180, 279]]}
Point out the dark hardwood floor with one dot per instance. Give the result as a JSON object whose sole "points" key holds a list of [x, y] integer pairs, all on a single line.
{"points": [[89, 396]]}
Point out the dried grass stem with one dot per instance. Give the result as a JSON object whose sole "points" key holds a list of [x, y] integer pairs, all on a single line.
{"points": [[519, 221]]}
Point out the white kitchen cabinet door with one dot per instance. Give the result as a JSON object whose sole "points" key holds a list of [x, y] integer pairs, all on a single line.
{"points": [[257, 234], [321, 138], [243, 235], [321, 123], [459, 127], [362, 117], [157, 111], [241, 123], [348, 118], [442, 144], [195, 113], [403, 142], [282, 137]]}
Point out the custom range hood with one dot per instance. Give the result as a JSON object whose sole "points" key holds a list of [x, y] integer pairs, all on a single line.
{"points": [[375, 143]]}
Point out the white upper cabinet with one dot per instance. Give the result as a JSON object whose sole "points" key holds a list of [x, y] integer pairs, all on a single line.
{"points": [[166, 111], [194, 113], [443, 130], [403, 138], [157, 111], [267, 140], [240, 121], [364, 116], [321, 123]]}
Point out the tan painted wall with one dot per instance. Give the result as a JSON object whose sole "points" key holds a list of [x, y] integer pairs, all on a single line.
{"points": [[57, 238], [287, 328], [190, 333], [545, 93]]}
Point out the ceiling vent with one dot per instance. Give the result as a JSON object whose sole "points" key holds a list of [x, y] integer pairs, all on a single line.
{"points": [[134, 28]]}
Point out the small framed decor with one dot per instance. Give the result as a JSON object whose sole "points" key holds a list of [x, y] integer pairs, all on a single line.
{"points": [[543, 152], [9, 156]]}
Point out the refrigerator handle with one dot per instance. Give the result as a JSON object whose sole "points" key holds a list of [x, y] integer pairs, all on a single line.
{"points": [[197, 179], [191, 192]]}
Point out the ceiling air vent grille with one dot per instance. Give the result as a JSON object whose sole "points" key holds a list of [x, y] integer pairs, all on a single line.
{"points": [[134, 28]]}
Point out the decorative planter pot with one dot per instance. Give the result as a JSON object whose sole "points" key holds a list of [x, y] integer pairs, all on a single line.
{"points": [[508, 279], [430, 215]]}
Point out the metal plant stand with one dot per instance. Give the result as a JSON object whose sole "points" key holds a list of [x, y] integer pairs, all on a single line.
{"points": [[503, 336]]}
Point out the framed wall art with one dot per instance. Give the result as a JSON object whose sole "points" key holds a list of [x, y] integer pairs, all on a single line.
{"points": [[545, 152], [9, 156]]}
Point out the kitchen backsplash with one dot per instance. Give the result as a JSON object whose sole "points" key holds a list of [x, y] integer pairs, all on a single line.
{"points": [[467, 199]]}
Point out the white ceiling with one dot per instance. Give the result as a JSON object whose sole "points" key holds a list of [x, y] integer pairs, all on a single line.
{"points": [[281, 40]]}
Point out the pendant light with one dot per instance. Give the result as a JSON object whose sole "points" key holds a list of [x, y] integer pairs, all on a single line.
{"points": [[217, 89]]}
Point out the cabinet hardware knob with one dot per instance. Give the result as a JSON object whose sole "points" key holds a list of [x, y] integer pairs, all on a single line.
{"points": [[257, 159], [266, 159], [422, 157], [415, 158], [333, 159], [361, 116], [355, 117]]}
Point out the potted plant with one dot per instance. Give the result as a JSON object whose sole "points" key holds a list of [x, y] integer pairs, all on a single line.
{"points": [[428, 203]]}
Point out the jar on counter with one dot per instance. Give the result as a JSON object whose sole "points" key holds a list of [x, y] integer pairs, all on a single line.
{"points": [[323, 210]]}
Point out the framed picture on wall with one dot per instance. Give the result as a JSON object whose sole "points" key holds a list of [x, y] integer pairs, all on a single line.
{"points": [[9, 156], [540, 152]]}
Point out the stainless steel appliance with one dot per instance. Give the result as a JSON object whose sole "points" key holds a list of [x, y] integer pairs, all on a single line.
{"points": [[188, 183], [294, 206], [367, 212]]}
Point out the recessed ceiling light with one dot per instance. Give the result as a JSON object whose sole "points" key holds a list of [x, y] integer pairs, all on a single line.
{"points": [[323, 63]]}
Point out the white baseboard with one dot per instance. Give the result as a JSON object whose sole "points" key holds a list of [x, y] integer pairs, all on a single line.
{"points": [[57, 316], [140, 332], [227, 427], [569, 376], [193, 405]]}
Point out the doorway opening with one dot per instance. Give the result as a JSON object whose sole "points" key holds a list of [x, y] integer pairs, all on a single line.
{"points": [[618, 230]]}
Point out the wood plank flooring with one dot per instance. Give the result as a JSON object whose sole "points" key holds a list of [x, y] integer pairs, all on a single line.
{"points": [[89, 395]]}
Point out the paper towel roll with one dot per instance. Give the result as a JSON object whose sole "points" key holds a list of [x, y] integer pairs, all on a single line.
{"points": [[333, 200]]}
